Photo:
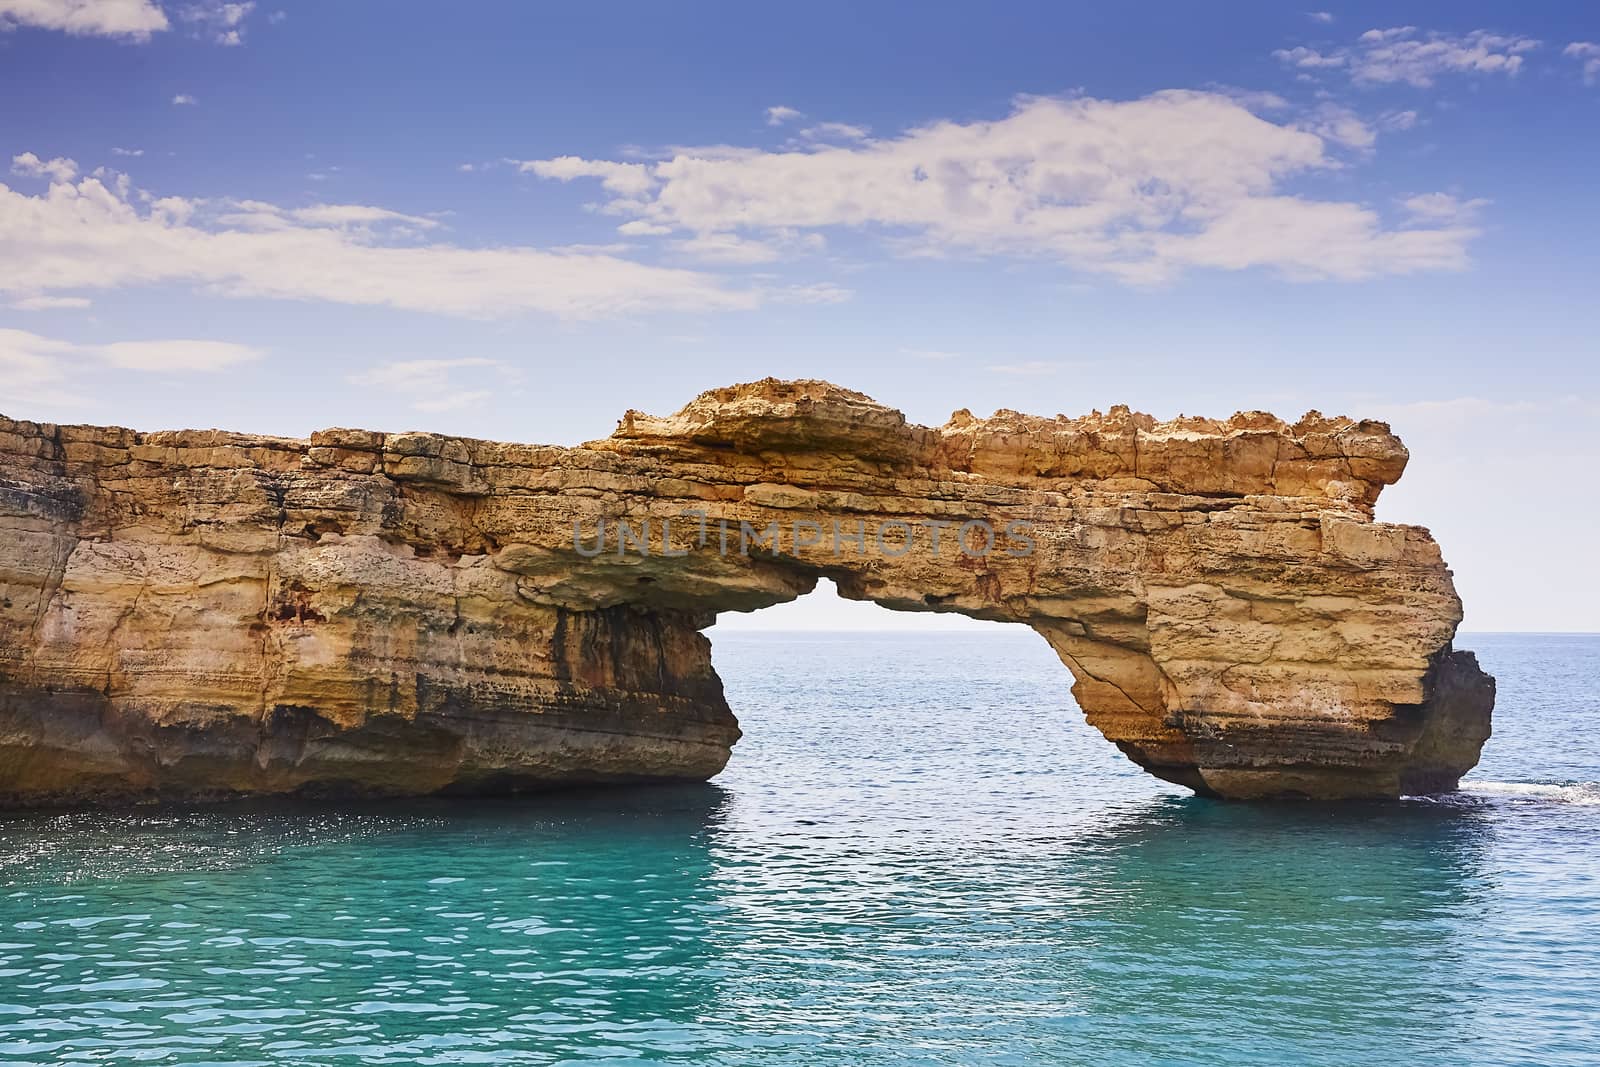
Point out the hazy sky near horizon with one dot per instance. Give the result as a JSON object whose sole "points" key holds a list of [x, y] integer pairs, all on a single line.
{"points": [[518, 220]]}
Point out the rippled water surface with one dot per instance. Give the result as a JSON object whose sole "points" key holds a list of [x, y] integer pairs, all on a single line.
{"points": [[919, 855]]}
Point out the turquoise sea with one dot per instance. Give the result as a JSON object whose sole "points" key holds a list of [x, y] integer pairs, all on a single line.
{"points": [[919, 855]]}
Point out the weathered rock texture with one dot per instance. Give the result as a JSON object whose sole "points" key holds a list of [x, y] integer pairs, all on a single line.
{"points": [[205, 614]]}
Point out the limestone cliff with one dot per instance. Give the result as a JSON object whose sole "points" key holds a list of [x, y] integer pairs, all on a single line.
{"points": [[203, 614]]}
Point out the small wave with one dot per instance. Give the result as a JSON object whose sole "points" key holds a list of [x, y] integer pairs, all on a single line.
{"points": [[1584, 793]]}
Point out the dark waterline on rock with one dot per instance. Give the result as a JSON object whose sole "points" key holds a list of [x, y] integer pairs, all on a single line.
{"points": [[919, 854]]}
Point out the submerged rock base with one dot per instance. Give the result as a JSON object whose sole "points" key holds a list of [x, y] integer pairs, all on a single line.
{"points": [[199, 614]]}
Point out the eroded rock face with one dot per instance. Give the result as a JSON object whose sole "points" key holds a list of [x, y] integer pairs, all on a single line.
{"points": [[201, 614]]}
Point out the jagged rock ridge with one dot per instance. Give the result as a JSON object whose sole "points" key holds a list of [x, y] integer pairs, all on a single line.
{"points": [[205, 614]]}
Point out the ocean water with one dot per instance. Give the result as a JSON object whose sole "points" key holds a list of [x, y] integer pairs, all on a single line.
{"points": [[919, 855]]}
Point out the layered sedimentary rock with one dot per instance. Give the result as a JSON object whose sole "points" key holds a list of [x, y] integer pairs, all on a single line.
{"points": [[205, 614]]}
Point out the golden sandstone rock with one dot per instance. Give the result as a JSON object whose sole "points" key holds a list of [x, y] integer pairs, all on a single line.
{"points": [[205, 614]]}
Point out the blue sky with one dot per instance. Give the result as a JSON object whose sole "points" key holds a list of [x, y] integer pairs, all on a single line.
{"points": [[514, 221]]}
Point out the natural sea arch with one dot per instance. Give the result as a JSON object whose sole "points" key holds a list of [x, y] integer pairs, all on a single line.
{"points": [[198, 613], [833, 691]]}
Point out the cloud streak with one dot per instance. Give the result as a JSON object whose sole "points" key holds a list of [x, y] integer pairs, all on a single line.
{"points": [[1403, 54], [432, 384], [39, 369], [1140, 190], [99, 233]]}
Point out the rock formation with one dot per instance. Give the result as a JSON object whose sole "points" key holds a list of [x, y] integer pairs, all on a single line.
{"points": [[205, 614]]}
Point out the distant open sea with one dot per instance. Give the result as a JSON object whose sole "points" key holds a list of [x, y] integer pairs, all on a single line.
{"points": [[919, 855]]}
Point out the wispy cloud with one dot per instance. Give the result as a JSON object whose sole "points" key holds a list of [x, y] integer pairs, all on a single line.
{"points": [[1141, 190], [175, 356], [1442, 208], [435, 384], [1587, 53], [99, 232], [835, 131], [778, 115], [50, 303], [1404, 54], [727, 248], [42, 369], [184, 99], [1340, 125], [217, 22]]}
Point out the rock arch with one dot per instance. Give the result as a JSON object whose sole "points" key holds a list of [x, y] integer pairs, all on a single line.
{"points": [[204, 613]]}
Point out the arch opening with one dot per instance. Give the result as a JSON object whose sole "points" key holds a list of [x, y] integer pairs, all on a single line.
{"points": [[904, 719]]}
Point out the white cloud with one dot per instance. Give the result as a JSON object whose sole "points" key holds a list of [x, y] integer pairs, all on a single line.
{"points": [[623, 179], [1336, 123], [431, 384], [1256, 100], [38, 369], [220, 23], [30, 367], [815, 293], [184, 99], [1309, 58], [777, 116], [168, 356], [1588, 54], [1320, 16], [95, 234], [1442, 208], [258, 215], [50, 303], [133, 20], [726, 248], [835, 131], [1397, 120], [1141, 190], [135, 152], [640, 228], [28, 165], [1405, 54], [355, 215]]}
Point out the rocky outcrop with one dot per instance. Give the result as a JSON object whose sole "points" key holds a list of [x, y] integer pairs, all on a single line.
{"points": [[204, 614]]}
